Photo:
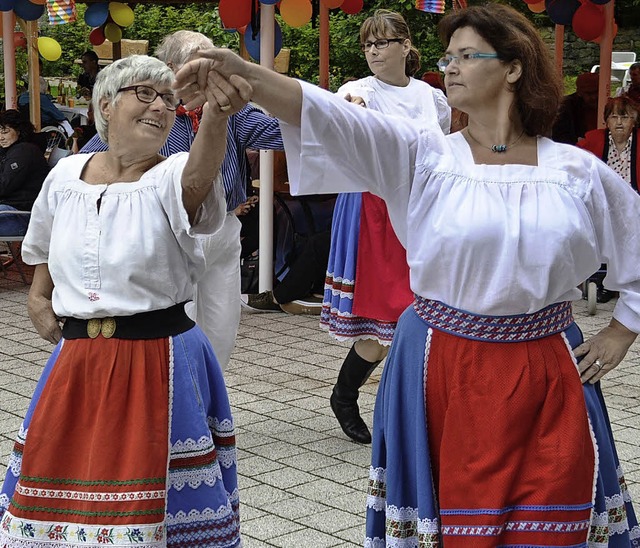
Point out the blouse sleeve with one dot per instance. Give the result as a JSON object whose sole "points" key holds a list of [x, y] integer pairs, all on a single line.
{"points": [[615, 212], [341, 147]]}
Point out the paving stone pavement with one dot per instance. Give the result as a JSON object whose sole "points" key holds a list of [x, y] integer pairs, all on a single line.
{"points": [[302, 482]]}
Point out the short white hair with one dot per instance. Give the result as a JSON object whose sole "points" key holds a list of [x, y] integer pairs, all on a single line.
{"points": [[122, 73], [178, 48]]}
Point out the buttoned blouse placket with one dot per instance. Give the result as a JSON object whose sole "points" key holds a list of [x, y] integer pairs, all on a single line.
{"points": [[620, 162], [91, 248]]}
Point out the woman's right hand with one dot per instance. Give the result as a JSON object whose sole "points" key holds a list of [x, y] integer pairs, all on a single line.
{"points": [[43, 318]]}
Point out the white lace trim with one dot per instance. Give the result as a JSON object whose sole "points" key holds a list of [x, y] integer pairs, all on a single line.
{"points": [[635, 533], [221, 428], [194, 478], [15, 463], [195, 516], [375, 542], [404, 513], [428, 526], [191, 447], [227, 457], [376, 503], [378, 474], [616, 501], [4, 501]]}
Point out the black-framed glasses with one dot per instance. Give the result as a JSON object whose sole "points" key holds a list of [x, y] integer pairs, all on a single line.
{"points": [[380, 44], [146, 94], [444, 62]]}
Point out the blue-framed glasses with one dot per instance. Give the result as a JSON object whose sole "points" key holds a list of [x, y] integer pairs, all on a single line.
{"points": [[444, 62], [146, 94]]}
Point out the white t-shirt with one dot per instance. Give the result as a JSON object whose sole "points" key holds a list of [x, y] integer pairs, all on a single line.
{"points": [[137, 253], [490, 239]]}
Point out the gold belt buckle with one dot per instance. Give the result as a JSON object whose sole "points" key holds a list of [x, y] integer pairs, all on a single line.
{"points": [[106, 326]]}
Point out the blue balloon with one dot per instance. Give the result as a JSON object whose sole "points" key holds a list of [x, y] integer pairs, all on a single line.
{"points": [[6, 5], [96, 14], [561, 11], [253, 44], [27, 10], [269, 2]]}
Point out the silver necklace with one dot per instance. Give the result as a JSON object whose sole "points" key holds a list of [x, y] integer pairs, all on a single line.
{"points": [[496, 148]]}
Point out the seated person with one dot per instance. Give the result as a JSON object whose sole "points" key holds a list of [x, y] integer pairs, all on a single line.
{"points": [[632, 89], [23, 169], [578, 112], [83, 133], [87, 79]]}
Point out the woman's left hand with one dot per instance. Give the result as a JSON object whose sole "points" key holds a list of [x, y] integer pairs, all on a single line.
{"points": [[604, 351]]}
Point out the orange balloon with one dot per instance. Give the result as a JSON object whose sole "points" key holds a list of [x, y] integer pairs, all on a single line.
{"points": [[536, 8], [331, 4], [296, 12]]}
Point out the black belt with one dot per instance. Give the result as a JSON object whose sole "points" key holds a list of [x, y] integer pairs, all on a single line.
{"points": [[156, 324]]}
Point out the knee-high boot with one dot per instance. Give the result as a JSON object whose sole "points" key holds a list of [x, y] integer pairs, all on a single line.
{"points": [[354, 373]]}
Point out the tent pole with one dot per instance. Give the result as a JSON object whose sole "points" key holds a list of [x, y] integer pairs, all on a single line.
{"points": [[31, 30], [9, 53], [324, 46], [265, 266], [606, 46], [559, 48]]}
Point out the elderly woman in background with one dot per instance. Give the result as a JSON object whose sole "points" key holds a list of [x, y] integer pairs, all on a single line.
{"points": [[23, 169], [129, 439], [488, 429]]}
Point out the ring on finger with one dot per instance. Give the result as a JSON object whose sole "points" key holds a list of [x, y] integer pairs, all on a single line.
{"points": [[598, 364], [224, 108]]}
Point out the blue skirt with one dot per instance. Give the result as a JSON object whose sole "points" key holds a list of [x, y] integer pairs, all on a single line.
{"points": [[402, 503], [191, 500]]}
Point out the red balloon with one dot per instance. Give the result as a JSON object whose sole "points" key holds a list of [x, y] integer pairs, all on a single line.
{"points": [[588, 22], [352, 6], [96, 36], [235, 13], [19, 40]]}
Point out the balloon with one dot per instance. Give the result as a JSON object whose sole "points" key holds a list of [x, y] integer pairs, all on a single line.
{"points": [[296, 13], [97, 37], [49, 48], [27, 10], [332, 3], [121, 14], [588, 22], [19, 40], [112, 32], [253, 44], [561, 11], [269, 2], [537, 8], [242, 29], [6, 5], [352, 6], [96, 14], [235, 13], [598, 2]]}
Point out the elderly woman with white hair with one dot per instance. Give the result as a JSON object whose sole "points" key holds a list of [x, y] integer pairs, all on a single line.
{"points": [[129, 438]]}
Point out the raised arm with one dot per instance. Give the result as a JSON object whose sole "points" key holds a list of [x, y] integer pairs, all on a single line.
{"points": [[279, 94], [208, 148]]}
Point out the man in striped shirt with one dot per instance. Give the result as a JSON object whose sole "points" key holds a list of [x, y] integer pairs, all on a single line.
{"points": [[216, 306]]}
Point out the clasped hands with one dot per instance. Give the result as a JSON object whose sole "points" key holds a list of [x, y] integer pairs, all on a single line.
{"points": [[214, 80]]}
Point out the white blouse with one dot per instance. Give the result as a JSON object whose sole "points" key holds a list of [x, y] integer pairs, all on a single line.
{"points": [[489, 239], [137, 253], [417, 100]]}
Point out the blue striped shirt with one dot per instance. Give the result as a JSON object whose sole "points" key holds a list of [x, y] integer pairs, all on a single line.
{"points": [[249, 128]]}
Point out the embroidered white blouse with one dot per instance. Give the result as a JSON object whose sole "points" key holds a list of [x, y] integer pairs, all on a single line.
{"points": [[488, 239], [417, 100], [137, 253]]}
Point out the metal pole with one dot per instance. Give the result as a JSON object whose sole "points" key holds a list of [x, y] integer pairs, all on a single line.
{"points": [[265, 268]]}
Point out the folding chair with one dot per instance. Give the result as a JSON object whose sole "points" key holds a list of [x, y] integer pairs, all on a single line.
{"points": [[13, 250]]}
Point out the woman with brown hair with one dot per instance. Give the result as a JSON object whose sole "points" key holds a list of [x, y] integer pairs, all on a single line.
{"points": [[488, 429], [367, 281]]}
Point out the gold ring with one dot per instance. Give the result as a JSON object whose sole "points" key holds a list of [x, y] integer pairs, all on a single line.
{"points": [[224, 108]]}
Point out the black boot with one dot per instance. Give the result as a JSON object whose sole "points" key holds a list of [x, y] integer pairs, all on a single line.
{"points": [[354, 373]]}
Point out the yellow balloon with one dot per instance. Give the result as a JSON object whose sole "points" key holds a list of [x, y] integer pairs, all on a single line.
{"points": [[121, 14], [112, 32], [49, 48], [296, 12]]}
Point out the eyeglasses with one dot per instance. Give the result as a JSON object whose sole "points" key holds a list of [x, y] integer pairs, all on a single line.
{"points": [[620, 117], [383, 43], [444, 62], [147, 94]]}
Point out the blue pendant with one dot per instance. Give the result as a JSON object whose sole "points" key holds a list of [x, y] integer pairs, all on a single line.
{"points": [[499, 148]]}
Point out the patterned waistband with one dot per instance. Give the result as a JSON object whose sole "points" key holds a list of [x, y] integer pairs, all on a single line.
{"points": [[522, 327]]}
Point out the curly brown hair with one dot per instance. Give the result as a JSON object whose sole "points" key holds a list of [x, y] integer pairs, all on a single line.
{"points": [[389, 24], [539, 89]]}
